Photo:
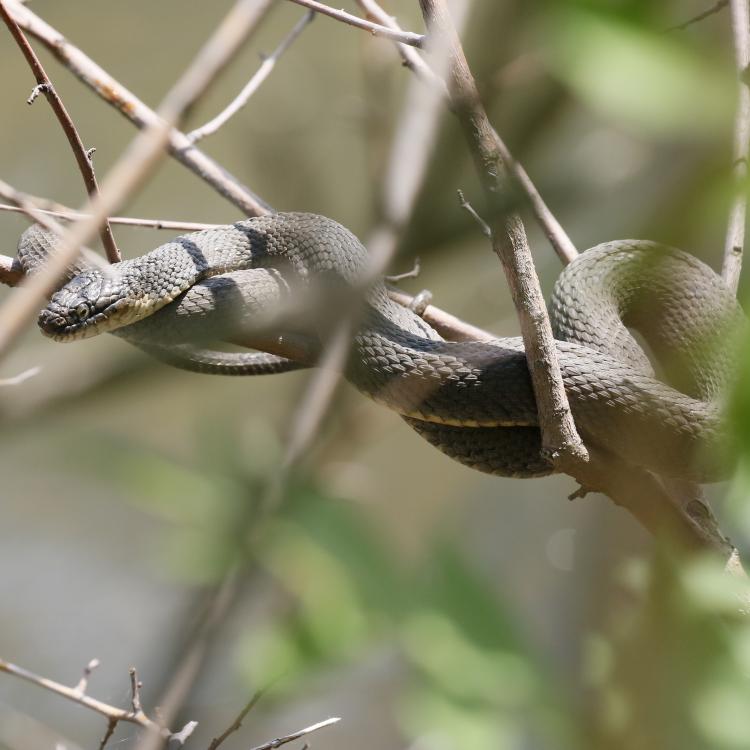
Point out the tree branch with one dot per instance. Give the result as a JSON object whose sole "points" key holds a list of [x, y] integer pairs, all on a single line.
{"points": [[559, 437], [134, 715], [69, 214], [265, 69], [405, 37], [735, 238], [44, 84]]}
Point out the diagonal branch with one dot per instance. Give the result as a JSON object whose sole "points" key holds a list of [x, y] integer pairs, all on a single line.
{"points": [[559, 437], [376, 29], [265, 70], [735, 238], [136, 111], [44, 84]]}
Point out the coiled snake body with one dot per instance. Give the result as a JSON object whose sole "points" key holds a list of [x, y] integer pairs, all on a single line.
{"points": [[473, 400]]}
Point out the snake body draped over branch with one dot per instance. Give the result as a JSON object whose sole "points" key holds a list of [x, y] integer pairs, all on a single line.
{"points": [[473, 400]]}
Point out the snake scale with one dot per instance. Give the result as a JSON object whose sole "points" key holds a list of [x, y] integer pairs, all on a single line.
{"points": [[472, 400]]}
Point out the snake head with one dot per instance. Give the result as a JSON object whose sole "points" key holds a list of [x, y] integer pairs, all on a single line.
{"points": [[85, 306]]}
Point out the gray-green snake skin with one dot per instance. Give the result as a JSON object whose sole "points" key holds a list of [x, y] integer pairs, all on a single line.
{"points": [[472, 400]]}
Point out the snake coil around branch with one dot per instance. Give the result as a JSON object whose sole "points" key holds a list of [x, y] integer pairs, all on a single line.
{"points": [[472, 400]]}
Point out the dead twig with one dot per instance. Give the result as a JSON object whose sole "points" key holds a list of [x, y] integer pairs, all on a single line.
{"points": [[735, 237], [296, 735], [265, 69], [376, 29], [132, 715], [82, 156], [72, 215], [483, 225], [133, 109]]}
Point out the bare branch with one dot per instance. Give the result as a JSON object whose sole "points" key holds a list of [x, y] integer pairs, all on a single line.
{"points": [[410, 57], [74, 139], [27, 205], [72, 215], [559, 437], [132, 108], [296, 735], [139, 159], [405, 37], [265, 69], [735, 238], [112, 713]]}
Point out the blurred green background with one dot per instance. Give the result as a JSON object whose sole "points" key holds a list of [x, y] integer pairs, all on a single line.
{"points": [[428, 605]]}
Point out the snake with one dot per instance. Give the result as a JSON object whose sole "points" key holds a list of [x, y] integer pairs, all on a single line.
{"points": [[644, 339]]}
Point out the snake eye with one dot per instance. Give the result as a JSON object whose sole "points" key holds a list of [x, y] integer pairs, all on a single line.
{"points": [[82, 311]]}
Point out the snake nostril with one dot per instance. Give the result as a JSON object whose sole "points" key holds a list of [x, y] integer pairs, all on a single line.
{"points": [[50, 321]]}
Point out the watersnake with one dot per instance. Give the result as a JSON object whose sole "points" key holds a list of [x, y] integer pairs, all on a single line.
{"points": [[472, 400]]}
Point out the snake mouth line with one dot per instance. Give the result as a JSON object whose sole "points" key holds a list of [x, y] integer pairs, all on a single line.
{"points": [[60, 327]]}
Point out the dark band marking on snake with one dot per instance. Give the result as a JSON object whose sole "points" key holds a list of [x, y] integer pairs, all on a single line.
{"points": [[472, 400]]}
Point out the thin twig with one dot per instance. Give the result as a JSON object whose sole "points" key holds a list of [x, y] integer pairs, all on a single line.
{"points": [[82, 157], [138, 161], [112, 713], [83, 683], [296, 735], [715, 8], [735, 238], [111, 726], [483, 225], [135, 690], [26, 204], [237, 723], [376, 29], [416, 269], [265, 69], [409, 56], [132, 108], [72, 215]]}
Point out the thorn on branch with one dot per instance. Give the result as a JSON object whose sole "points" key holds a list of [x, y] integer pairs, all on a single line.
{"points": [[80, 688], [40, 88], [181, 737], [483, 225], [135, 689]]}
